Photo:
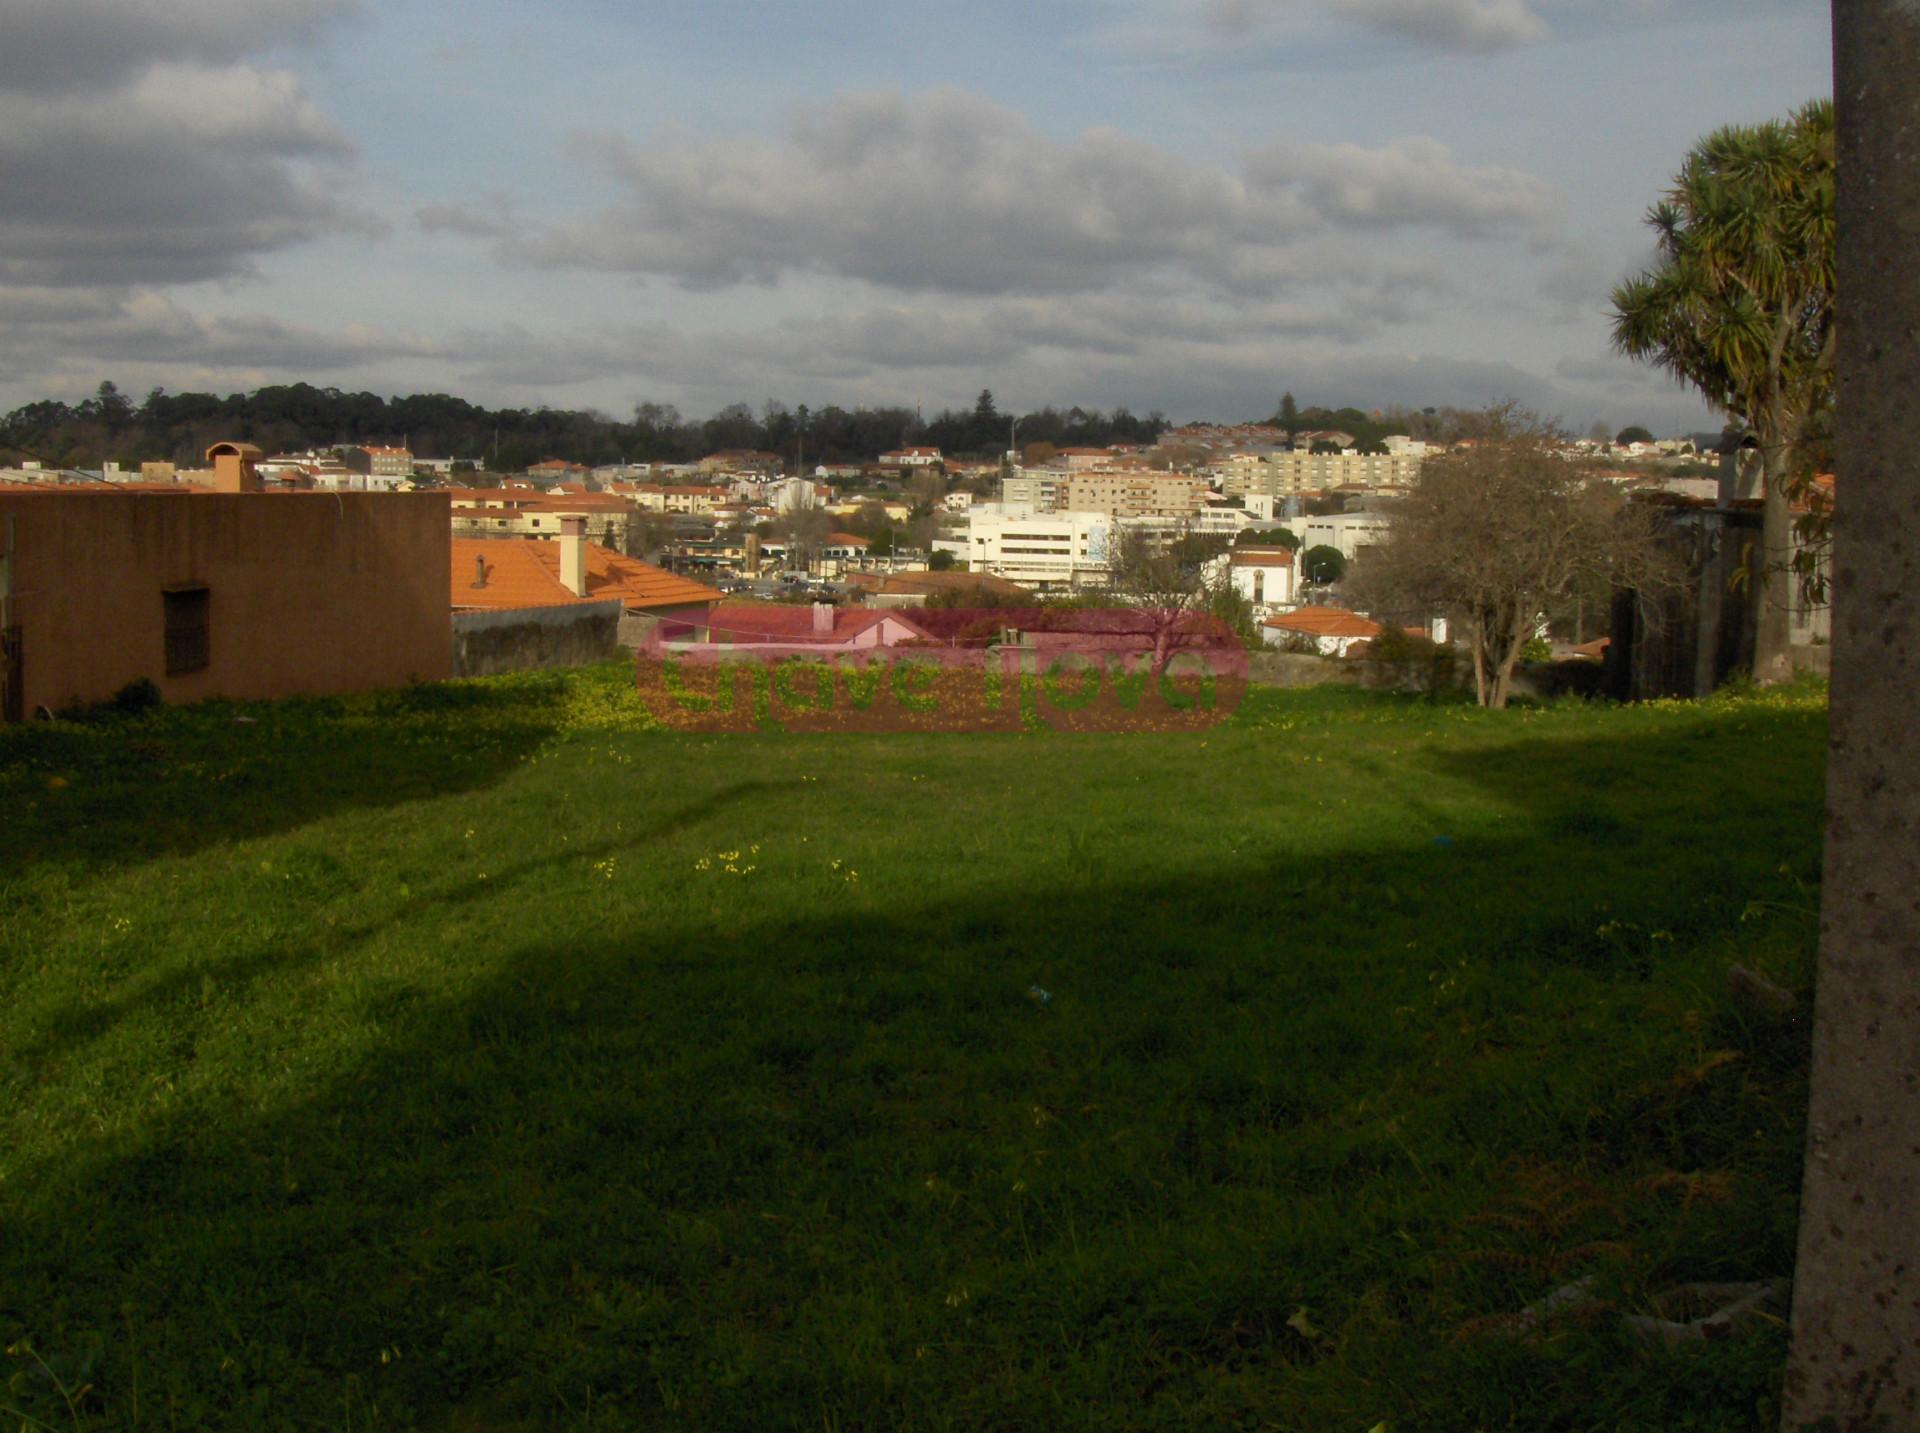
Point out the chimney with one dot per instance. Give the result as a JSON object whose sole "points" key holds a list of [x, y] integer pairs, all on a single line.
{"points": [[479, 570], [573, 553], [822, 618], [233, 470]]}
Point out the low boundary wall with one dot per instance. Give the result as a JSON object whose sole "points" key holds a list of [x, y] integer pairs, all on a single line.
{"points": [[525, 639]]}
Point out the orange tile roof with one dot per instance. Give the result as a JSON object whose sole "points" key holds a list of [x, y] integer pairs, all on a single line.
{"points": [[1325, 622], [525, 572]]}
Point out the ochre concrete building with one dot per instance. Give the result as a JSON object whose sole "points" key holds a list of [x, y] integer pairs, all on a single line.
{"points": [[233, 594]]}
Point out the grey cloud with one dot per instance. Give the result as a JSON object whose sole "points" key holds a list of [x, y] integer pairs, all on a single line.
{"points": [[56, 45], [1609, 370], [947, 192], [1106, 347], [1477, 25], [149, 326], [186, 173], [1409, 182], [465, 220], [1094, 327], [1480, 26], [66, 340], [1578, 285]]}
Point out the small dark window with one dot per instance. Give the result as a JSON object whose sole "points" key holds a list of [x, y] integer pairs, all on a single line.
{"points": [[188, 645]]}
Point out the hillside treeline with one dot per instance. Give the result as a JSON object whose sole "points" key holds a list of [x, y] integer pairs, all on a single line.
{"points": [[179, 427]]}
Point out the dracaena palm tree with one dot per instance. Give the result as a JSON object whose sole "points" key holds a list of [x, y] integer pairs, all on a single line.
{"points": [[1741, 306]]}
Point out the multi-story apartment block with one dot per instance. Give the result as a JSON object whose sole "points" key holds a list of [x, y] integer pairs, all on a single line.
{"points": [[1135, 493], [1284, 474], [389, 462], [1037, 489]]}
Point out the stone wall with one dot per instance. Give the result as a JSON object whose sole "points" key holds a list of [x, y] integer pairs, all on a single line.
{"points": [[530, 638]]}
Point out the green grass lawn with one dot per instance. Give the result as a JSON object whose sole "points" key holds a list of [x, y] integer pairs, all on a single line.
{"points": [[476, 1057]]}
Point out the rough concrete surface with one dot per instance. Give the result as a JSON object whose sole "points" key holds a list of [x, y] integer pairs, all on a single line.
{"points": [[1855, 1362], [529, 638]]}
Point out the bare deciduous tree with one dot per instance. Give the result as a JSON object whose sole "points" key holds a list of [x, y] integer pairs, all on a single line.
{"points": [[802, 530], [1496, 532], [1169, 581]]}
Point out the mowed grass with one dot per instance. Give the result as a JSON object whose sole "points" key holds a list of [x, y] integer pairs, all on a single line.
{"points": [[474, 1057]]}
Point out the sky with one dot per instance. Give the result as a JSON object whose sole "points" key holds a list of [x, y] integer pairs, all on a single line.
{"points": [[1188, 206]]}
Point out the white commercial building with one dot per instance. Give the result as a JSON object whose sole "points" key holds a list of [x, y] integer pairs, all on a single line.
{"points": [[1061, 551], [1350, 533], [1050, 552]]}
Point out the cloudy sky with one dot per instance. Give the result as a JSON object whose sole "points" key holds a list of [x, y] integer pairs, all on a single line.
{"points": [[1188, 205]]}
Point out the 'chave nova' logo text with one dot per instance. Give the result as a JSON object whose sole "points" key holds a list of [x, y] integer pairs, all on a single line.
{"points": [[1099, 670]]}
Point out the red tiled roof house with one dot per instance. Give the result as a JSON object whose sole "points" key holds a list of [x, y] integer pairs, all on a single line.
{"points": [[521, 603]]}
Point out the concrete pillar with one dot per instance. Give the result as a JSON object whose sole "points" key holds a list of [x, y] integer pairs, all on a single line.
{"points": [[1855, 1362]]}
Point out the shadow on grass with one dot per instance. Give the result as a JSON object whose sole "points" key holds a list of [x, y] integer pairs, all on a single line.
{"points": [[1196, 1150], [80, 794], [77, 1024]]}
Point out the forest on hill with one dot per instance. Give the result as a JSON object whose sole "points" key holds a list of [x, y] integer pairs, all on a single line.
{"points": [[178, 427]]}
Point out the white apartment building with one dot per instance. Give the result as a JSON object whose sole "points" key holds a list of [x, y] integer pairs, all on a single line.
{"points": [[791, 494], [1050, 552]]}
